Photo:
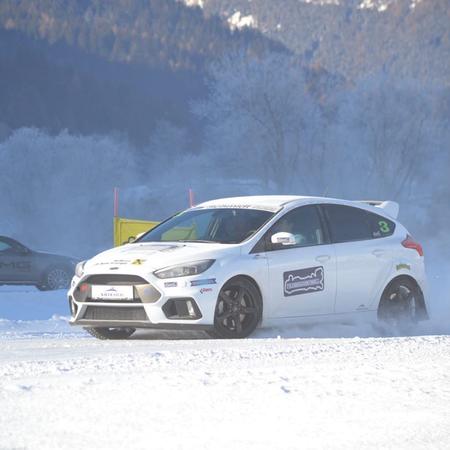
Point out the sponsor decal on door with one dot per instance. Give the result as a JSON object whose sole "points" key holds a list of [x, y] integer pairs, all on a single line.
{"points": [[303, 281]]}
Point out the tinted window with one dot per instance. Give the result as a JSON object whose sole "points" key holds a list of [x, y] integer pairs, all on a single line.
{"points": [[380, 226], [348, 223], [304, 223], [224, 225], [4, 246]]}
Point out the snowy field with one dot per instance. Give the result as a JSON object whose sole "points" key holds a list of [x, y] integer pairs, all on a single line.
{"points": [[319, 387]]}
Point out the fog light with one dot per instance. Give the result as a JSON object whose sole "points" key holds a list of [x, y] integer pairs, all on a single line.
{"points": [[190, 308], [181, 308]]}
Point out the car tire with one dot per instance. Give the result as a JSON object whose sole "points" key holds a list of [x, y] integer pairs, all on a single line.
{"points": [[55, 278], [238, 310], [110, 333], [399, 304]]}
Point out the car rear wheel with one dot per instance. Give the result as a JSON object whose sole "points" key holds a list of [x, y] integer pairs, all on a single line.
{"points": [[238, 310], [399, 304], [110, 333], [55, 278]]}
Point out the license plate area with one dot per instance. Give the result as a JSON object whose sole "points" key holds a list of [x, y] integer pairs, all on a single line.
{"points": [[112, 293]]}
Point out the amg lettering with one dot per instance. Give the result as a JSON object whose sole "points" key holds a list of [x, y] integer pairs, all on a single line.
{"points": [[20, 265]]}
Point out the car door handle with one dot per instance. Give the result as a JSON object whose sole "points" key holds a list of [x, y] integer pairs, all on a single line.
{"points": [[323, 258], [259, 256], [378, 252]]}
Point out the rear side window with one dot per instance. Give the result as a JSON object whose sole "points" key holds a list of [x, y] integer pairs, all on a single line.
{"points": [[380, 226], [348, 223]]}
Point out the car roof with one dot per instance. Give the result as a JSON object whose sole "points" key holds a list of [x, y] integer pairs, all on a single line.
{"points": [[274, 203], [266, 202]]}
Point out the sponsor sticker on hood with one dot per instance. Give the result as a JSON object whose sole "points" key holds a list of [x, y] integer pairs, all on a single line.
{"points": [[138, 262], [116, 262]]}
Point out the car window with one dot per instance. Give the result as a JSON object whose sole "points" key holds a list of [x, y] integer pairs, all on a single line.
{"points": [[348, 223], [4, 246], [380, 226], [304, 223]]}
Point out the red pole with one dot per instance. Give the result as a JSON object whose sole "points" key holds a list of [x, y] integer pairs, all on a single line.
{"points": [[116, 202], [191, 198]]}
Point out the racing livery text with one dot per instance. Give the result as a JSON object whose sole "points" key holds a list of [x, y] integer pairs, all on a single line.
{"points": [[302, 281]]}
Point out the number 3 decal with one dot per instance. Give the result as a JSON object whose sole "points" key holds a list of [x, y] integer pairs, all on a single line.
{"points": [[384, 226]]}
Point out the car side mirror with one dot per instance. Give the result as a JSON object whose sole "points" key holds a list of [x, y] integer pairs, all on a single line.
{"points": [[132, 239], [20, 249], [283, 238]]}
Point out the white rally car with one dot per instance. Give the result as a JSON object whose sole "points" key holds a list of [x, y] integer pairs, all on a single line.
{"points": [[228, 266]]}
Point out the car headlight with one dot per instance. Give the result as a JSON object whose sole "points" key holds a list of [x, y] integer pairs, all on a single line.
{"points": [[184, 270], [79, 269]]}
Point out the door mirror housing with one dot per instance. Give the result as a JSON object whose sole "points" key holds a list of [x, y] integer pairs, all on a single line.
{"points": [[132, 239], [21, 250], [283, 238]]}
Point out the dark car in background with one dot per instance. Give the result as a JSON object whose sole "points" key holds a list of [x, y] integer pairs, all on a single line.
{"points": [[21, 265]]}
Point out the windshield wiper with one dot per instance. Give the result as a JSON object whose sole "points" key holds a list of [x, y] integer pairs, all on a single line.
{"points": [[203, 241]]}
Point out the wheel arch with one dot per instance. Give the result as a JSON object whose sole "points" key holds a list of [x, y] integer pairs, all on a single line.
{"points": [[422, 312]]}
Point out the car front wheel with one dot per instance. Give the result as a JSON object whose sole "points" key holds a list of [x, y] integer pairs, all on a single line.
{"points": [[55, 278], [238, 309]]}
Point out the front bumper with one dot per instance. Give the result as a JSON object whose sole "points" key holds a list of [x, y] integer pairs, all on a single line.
{"points": [[183, 303]]}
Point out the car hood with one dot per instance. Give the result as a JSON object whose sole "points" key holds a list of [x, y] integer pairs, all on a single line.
{"points": [[155, 255], [48, 255]]}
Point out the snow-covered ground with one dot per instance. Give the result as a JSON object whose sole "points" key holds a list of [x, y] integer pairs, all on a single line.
{"points": [[319, 387], [203, 394]]}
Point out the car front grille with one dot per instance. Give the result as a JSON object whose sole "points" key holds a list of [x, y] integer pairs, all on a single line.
{"points": [[115, 280], [114, 313], [143, 291], [102, 300]]}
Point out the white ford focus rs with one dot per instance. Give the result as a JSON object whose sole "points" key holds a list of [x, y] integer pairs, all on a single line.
{"points": [[228, 266]]}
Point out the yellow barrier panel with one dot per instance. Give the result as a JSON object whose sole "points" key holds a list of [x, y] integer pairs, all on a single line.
{"points": [[180, 233], [126, 230]]}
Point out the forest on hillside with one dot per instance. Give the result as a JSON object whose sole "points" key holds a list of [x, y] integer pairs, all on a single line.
{"points": [[255, 117], [116, 67], [354, 37]]}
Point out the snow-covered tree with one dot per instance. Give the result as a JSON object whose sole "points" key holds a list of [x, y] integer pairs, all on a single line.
{"points": [[262, 121], [385, 134], [57, 190]]}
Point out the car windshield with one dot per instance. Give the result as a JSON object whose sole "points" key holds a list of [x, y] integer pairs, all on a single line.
{"points": [[225, 226]]}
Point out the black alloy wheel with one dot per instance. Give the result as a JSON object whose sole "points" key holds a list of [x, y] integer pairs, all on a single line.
{"points": [[238, 309], [110, 333]]}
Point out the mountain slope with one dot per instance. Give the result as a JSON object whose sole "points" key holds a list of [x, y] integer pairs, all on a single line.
{"points": [[160, 33], [96, 67], [355, 38]]}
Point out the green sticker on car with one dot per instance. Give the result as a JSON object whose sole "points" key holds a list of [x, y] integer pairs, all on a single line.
{"points": [[384, 226]]}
